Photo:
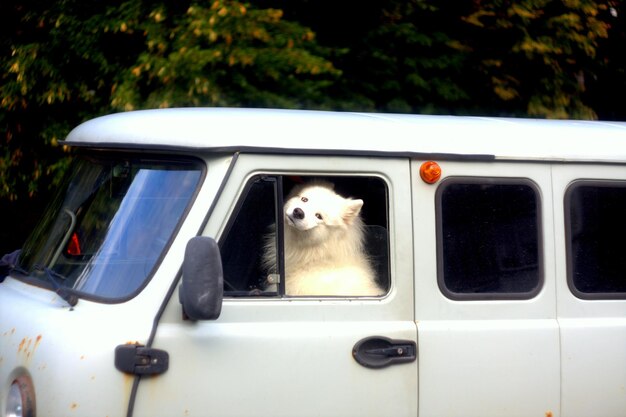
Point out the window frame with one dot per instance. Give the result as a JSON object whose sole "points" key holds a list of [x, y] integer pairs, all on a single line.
{"points": [[489, 296], [567, 206], [282, 191], [145, 157]]}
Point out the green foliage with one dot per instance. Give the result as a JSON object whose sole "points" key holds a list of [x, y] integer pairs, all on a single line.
{"points": [[226, 54], [408, 62], [537, 54], [69, 60]]}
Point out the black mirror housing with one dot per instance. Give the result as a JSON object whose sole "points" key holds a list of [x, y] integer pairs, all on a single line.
{"points": [[202, 288]]}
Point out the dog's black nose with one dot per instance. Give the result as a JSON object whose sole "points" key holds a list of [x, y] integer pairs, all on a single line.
{"points": [[298, 213]]}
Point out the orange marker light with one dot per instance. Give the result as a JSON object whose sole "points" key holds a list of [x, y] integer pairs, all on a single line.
{"points": [[430, 172]]}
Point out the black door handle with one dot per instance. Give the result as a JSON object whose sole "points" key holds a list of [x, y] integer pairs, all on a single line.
{"points": [[379, 351]]}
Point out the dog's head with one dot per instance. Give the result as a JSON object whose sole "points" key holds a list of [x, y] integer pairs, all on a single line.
{"points": [[316, 206]]}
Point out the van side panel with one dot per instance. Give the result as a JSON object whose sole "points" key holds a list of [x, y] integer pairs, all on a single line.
{"points": [[488, 357], [593, 330]]}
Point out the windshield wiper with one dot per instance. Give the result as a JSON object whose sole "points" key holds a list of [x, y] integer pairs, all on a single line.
{"points": [[69, 295]]}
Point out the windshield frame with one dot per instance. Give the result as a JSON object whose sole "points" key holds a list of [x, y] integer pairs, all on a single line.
{"points": [[113, 155]]}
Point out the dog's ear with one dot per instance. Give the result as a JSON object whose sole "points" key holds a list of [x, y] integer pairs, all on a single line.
{"points": [[351, 210]]}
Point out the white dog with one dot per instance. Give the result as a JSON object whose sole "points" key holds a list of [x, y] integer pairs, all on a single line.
{"points": [[323, 244]]}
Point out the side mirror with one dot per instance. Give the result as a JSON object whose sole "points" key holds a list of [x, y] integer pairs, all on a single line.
{"points": [[202, 287]]}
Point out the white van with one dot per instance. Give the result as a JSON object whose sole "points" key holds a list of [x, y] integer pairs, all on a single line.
{"points": [[500, 245]]}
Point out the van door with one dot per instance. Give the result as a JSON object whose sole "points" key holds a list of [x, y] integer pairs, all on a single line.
{"points": [[272, 354], [114, 235], [485, 293], [590, 201]]}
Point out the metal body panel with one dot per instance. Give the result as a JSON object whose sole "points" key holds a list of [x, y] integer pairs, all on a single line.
{"points": [[306, 132], [593, 332], [292, 357], [484, 357]]}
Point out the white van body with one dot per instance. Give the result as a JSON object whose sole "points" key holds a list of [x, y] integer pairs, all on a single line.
{"points": [[456, 332]]}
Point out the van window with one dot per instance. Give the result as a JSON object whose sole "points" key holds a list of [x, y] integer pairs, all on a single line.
{"points": [[595, 227], [488, 238], [253, 244]]}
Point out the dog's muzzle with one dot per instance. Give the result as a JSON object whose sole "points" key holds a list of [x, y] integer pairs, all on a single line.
{"points": [[298, 213]]}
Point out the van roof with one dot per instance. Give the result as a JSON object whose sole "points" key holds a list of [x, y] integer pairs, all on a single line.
{"points": [[322, 132]]}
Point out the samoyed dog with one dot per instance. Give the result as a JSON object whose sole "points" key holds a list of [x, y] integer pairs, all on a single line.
{"points": [[323, 244]]}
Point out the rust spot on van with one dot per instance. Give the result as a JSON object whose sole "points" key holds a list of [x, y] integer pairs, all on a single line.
{"points": [[548, 413], [27, 346], [73, 406], [37, 341], [9, 332]]}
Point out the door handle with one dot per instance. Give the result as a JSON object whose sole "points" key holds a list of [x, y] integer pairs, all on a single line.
{"points": [[380, 351]]}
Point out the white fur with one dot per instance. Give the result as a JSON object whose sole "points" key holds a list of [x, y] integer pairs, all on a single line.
{"points": [[323, 256]]}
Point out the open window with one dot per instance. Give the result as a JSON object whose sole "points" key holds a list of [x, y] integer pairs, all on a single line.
{"points": [[257, 226]]}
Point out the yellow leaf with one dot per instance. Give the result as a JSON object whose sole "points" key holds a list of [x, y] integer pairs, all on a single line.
{"points": [[503, 89], [493, 63], [520, 11], [457, 45], [474, 19]]}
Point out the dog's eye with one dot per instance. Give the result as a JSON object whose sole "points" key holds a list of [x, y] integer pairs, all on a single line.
{"points": [[319, 216], [304, 199]]}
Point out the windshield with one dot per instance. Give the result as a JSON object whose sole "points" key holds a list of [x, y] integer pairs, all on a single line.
{"points": [[107, 228]]}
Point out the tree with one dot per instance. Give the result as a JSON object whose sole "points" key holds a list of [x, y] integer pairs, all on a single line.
{"points": [[407, 61], [394, 55], [534, 56], [227, 54], [68, 60]]}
